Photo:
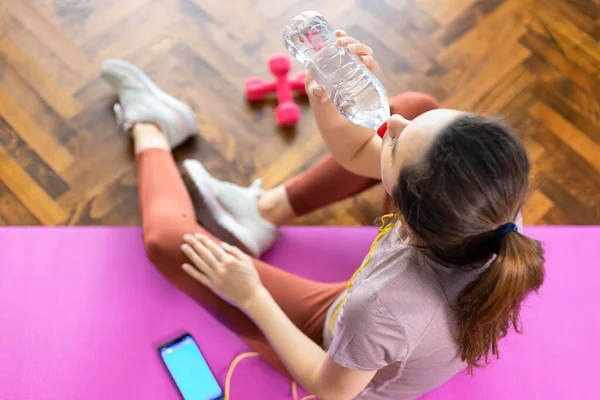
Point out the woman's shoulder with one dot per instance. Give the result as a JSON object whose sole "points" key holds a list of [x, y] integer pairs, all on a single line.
{"points": [[398, 267], [407, 286]]}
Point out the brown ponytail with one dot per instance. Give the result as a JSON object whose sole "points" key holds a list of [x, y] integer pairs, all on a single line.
{"points": [[492, 302]]}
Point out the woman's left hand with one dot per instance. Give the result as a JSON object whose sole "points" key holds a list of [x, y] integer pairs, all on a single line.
{"points": [[223, 268]]}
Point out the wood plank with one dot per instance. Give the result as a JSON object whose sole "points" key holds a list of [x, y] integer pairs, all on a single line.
{"points": [[47, 88], [535, 208], [52, 36], [42, 142], [565, 168], [535, 150], [583, 13], [578, 105], [547, 49], [445, 11], [105, 206], [516, 112], [14, 213], [500, 27], [37, 108], [3, 23], [12, 210], [105, 18], [556, 40], [402, 15], [290, 162], [37, 169], [578, 141], [563, 28], [37, 50], [480, 59], [108, 160], [28, 192], [466, 20], [511, 85], [213, 101], [391, 46], [569, 210], [246, 17], [136, 31], [581, 102], [546, 95]]}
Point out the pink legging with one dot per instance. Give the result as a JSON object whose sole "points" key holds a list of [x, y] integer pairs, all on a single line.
{"points": [[168, 213]]}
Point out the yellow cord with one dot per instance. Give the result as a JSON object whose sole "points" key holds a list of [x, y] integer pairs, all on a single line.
{"points": [[385, 228], [234, 363], [295, 392], [243, 356]]}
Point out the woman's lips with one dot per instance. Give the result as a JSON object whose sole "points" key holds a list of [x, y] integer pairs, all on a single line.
{"points": [[382, 130]]}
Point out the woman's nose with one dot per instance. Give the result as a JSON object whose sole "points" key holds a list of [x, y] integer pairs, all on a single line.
{"points": [[396, 125]]}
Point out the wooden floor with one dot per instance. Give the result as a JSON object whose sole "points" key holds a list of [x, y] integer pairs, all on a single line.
{"points": [[63, 160]]}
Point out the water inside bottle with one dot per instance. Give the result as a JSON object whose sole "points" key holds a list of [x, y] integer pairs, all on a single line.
{"points": [[354, 90]]}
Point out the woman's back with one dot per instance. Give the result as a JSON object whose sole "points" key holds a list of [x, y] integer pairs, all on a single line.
{"points": [[399, 318]]}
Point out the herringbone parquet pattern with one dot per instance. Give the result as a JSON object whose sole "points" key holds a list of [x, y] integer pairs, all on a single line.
{"points": [[63, 160]]}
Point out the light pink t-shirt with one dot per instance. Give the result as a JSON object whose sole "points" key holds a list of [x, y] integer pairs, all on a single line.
{"points": [[398, 319]]}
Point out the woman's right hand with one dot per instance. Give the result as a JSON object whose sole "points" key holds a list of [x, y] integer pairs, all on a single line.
{"points": [[362, 51]]}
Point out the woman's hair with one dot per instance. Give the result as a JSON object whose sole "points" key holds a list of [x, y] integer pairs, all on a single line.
{"points": [[473, 180]]}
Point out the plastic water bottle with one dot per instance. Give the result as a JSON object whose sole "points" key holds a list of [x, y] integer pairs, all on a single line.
{"points": [[354, 90]]}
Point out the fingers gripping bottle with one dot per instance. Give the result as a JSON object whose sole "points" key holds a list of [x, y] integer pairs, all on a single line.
{"points": [[354, 90]]}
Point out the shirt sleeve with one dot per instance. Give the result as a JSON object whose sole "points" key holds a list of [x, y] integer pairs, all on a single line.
{"points": [[367, 337]]}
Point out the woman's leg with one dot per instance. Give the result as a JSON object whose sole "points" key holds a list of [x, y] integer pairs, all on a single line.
{"points": [[325, 183], [328, 182], [167, 214]]}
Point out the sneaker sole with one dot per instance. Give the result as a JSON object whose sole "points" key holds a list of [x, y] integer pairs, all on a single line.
{"points": [[182, 111], [208, 210]]}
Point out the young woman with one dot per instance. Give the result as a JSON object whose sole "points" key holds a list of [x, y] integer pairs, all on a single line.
{"points": [[443, 284]]}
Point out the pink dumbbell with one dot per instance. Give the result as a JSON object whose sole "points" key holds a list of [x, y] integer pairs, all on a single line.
{"points": [[287, 112]]}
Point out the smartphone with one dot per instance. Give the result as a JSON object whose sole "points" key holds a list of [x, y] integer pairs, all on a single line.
{"points": [[189, 370]]}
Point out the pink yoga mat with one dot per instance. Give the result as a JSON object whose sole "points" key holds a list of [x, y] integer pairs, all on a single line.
{"points": [[82, 313]]}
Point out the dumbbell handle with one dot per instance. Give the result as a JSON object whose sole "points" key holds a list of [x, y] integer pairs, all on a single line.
{"points": [[284, 89], [256, 88], [270, 87]]}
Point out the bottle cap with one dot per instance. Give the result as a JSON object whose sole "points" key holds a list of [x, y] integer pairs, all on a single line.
{"points": [[382, 130]]}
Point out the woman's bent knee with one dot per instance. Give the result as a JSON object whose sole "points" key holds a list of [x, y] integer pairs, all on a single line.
{"points": [[412, 104], [159, 245], [163, 237]]}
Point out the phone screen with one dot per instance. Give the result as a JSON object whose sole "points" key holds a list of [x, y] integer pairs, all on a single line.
{"points": [[189, 370]]}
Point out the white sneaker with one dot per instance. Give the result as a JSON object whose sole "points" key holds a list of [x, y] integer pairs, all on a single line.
{"points": [[140, 100], [229, 211]]}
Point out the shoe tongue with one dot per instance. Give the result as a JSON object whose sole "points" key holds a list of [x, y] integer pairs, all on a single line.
{"points": [[255, 189], [257, 186]]}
